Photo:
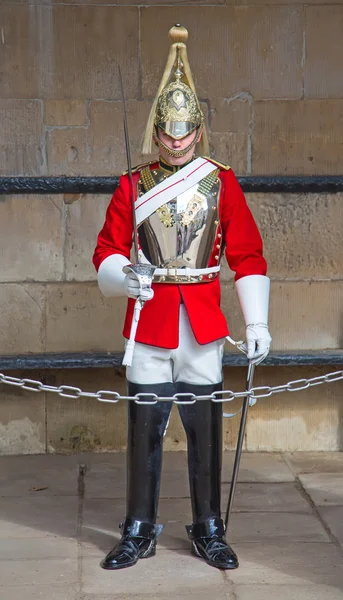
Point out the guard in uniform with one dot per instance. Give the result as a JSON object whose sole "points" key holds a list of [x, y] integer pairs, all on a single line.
{"points": [[189, 213]]}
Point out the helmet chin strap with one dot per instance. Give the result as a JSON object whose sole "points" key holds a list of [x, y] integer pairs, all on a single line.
{"points": [[179, 153]]}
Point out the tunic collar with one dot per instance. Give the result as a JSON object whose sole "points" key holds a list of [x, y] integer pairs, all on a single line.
{"points": [[170, 169]]}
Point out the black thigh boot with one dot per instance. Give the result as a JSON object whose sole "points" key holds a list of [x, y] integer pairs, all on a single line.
{"points": [[146, 427], [202, 422]]}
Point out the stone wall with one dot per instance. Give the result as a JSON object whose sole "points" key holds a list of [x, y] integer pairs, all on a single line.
{"points": [[269, 78]]}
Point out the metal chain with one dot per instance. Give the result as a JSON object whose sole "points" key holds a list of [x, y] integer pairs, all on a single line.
{"points": [[68, 391]]}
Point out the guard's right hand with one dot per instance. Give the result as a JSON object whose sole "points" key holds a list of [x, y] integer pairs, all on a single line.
{"points": [[134, 290]]}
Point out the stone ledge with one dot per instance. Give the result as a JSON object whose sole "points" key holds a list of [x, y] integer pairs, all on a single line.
{"points": [[77, 360], [276, 184]]}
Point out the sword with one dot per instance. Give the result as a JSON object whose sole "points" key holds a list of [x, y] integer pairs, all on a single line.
{"points": [[129, 168], [143, 272]]}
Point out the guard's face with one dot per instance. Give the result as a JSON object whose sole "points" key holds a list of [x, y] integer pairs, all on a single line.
{"points": [[176, 145]]}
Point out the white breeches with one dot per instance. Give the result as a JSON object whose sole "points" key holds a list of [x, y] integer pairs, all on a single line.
{"points": [[189, 363]]}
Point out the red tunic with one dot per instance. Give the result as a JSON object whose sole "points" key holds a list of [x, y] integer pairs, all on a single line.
{"points": [[159, 320]]}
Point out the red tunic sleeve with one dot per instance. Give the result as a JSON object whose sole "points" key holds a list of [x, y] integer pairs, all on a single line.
{"points": [[244, 247], [116, 234]]}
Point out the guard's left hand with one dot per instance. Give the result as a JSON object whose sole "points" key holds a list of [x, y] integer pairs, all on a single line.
{"points": [[258, 342]]}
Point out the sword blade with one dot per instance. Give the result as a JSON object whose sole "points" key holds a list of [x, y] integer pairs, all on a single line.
{"points": [[129, 168], [239, 447]]}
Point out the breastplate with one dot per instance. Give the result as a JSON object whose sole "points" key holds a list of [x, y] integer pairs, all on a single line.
{"points": [[182, 232]]}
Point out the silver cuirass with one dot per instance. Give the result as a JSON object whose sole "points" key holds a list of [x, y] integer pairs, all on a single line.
{"points": [[182, 232]]}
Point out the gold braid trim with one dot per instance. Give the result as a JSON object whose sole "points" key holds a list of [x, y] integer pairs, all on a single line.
{"points": [[138, 167], [219, 164], [147, 179], [206, 184]]}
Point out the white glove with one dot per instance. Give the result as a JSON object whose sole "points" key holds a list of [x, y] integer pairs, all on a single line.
{"points": [[258, 341], [111, 277], [253, 293], [133, 289]]}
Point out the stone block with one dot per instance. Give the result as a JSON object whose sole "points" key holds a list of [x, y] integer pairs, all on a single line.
{"points": [[22, 318], [287, 592], [69, 152], [333, 517], [302, 137], [21, 148], [79, 319], [56, 571], [301, 421], [15, 592], [323, 51], [316, 462], [258, 468], [86, 425], [267, 497], [301, 234], [27, 476], [105, 475], [310, 313], [231, 149], [243, 49], [98, 149], [231, 115], [22, 419], [50, 51], [230, 129], [33, 236], [107, 135], [85, 219], [37, 548], [30, 518], [287, 563], [63, 113], [19, 45], [325, 489]]}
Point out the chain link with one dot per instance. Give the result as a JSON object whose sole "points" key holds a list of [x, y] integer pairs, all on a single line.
{"points": [[256, 393]]}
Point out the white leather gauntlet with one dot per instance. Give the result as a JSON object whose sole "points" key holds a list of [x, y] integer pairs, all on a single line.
{"points": [[111, 277], [253, 293]]}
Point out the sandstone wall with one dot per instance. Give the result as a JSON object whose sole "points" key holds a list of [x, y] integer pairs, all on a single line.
{"points": [[269, 78]]}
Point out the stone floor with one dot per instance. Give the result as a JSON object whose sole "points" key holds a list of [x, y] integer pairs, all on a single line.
{"points": [[59, 516]]}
